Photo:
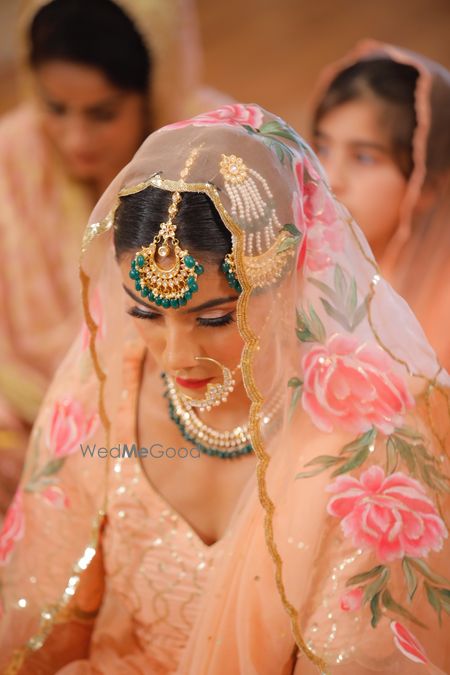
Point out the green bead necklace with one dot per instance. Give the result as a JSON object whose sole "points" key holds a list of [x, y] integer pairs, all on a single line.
{"points": [[222, 444]]}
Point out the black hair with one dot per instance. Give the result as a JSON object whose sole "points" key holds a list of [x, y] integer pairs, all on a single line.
{"points": [[389, 82], [200, 229], [95, 33]]}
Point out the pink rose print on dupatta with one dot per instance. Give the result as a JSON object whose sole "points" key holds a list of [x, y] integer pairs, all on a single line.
{"points": [[322, 242], [351, 385], [391, 515], [318, 219], [56, 497], [300, 225], [13, 528], [69, 427], [234, 115], [408, 644], [352, 600]]}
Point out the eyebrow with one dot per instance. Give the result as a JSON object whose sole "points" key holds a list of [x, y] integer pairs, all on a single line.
{"points": [[205, 305], [106, 103], [96, 107], [355, 144]]}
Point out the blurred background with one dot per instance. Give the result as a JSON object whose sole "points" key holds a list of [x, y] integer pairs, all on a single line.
{"points": [[271, 51]]}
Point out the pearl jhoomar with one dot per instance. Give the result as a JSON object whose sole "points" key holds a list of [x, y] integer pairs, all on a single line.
{"points": [[209, 441]]}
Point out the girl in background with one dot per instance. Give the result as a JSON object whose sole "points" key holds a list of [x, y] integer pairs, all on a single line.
{"points": [[101, 76], [381, 127]]}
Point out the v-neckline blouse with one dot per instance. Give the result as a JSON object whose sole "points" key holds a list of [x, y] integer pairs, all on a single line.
{"points": [[156, 566]]}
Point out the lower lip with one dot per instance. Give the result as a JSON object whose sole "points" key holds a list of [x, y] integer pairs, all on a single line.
{"points": [[192, 384]]}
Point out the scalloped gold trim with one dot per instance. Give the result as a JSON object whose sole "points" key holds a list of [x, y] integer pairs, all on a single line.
{"points": [[377, 277], [250, 349], [94, 230]]}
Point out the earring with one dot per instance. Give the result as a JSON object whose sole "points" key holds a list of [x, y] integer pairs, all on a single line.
{"points": [[229, 269], [215, 393]]}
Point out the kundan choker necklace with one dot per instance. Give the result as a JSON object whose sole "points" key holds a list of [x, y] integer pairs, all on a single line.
{"points": [[209, 441], [223, 444]]}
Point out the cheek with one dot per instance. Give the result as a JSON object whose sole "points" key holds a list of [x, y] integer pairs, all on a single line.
{"points": [[376, 199], [121, 137], [151, 335], [224, 344], [53, 126]]}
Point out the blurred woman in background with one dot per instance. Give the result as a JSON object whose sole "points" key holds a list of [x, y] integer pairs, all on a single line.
{"points": [[381, 127], [101, 76]]}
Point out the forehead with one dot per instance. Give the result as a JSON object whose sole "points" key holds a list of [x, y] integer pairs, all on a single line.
{"points": [[359, 119], [81, 84]]}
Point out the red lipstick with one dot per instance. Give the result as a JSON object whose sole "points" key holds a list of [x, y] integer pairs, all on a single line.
{"points": [[192, 384]]}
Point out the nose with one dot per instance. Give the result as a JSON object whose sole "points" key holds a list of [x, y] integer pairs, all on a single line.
{"points": [[76, 137], [180, 349]]}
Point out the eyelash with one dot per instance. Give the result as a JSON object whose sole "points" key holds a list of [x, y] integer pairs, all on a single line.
{"points": [[56, 109], [103, 115], [365, 158], [225, 320]]}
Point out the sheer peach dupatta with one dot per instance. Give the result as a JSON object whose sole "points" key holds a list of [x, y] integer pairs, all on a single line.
{"points": [[340, 553], [415, 260]]}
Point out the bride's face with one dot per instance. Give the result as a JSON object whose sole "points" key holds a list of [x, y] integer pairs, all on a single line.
{"points": [[204, 327]]}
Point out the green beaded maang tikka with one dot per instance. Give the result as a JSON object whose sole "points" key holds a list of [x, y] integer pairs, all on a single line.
{"points": [[172, 286]]}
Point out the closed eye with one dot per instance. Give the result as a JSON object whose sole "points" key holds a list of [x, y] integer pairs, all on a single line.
{"points": [[56, 108], [102, 114], [141, 314], [224, 320]]}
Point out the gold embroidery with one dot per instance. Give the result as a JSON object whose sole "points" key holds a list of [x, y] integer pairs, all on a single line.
{"points": [[233, 169], [169, 566], [264, 269], [94, 230], [57, 612]]}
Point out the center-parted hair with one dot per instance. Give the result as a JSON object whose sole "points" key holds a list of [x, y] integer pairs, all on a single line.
{"points": [[199, 226]]}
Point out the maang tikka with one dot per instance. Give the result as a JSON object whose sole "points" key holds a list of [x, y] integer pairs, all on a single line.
{"points": [[173, 286]]}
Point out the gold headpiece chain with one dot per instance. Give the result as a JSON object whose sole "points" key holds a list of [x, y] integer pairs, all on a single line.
{"points": [[167, 286]]}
